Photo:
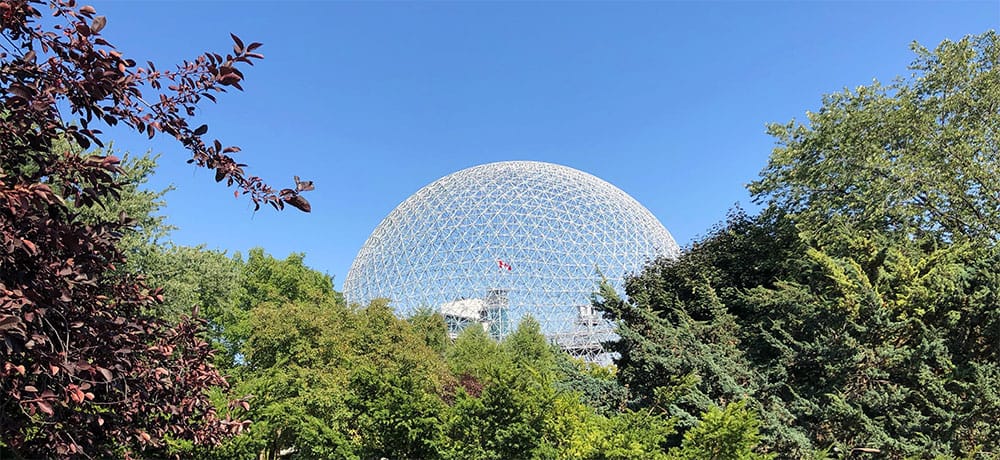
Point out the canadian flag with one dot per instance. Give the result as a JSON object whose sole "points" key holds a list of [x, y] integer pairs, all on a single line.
{"points": [[503, 265]]}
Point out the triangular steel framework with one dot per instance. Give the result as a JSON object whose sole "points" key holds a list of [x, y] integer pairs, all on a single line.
{"points": [[544, 234]]}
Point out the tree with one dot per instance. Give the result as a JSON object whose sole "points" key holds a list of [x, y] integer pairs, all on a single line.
{"points": [[728, 433], [859, 343], [190, 276], [917, 156], [149, 228], [396, 383], [286, 337], [294, 377], [85, 370], [513, 400], [595, 384], [266, 284], [432, 326], [505, 412], [675, 328], [893, 192], [858, 310], [324, 379]]}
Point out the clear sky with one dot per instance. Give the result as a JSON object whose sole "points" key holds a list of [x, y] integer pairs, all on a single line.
{"points": [[373, 100]]}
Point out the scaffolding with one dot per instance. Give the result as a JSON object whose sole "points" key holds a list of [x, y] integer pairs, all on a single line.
{"points": [[490, 313]]}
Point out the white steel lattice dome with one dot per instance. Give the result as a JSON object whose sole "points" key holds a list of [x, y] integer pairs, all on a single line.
{"points": [[493, 243]]}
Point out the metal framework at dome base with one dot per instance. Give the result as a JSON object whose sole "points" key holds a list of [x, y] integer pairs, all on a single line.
{"points": [[494, 243]]}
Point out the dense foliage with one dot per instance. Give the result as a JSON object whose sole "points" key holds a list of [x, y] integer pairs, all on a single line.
{"points": [[859, 311], [321, 379], [328, 380], [317, 378], [85, 368]]}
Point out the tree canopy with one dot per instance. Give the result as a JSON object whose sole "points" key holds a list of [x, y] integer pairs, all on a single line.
{"points": [[916, 156], [86, 368], [857, 312]]}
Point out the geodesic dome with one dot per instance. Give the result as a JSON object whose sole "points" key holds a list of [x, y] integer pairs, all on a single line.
{"points": [[492, 243]]}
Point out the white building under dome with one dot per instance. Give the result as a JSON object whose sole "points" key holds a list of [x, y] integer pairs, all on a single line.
{"points": [[493, 243]]}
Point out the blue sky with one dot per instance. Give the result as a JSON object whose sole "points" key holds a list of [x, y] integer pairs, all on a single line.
{"points": [[373, 100]]}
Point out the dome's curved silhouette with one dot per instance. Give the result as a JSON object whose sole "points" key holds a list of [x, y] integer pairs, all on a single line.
{"points": [[493, 243]]}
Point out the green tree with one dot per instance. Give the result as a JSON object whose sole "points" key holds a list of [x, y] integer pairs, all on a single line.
{"points": [[431, 325], [395, 389], [325, 380], [194, 277], [294, 385], [143, 206], [288, 334], [915, 157], [519, 399], [475, 354], [596, 385], [529, 350], [857, 310], [266, 284], [892, 191], [729, 433], [677, 325], [189, 276], [504, 398]]}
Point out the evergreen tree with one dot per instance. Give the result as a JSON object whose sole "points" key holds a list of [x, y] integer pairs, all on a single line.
{"points": [[859, 309]]}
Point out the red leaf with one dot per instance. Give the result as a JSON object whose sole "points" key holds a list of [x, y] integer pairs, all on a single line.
{"points": [[45, 407], [301, 203], [229, 79], [75, 394], [239, 43], [98, 24], [11, 322], [303, 186]]}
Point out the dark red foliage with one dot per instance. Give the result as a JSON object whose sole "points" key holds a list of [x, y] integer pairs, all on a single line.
{"points": [[467, 383], [83, 370]]}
